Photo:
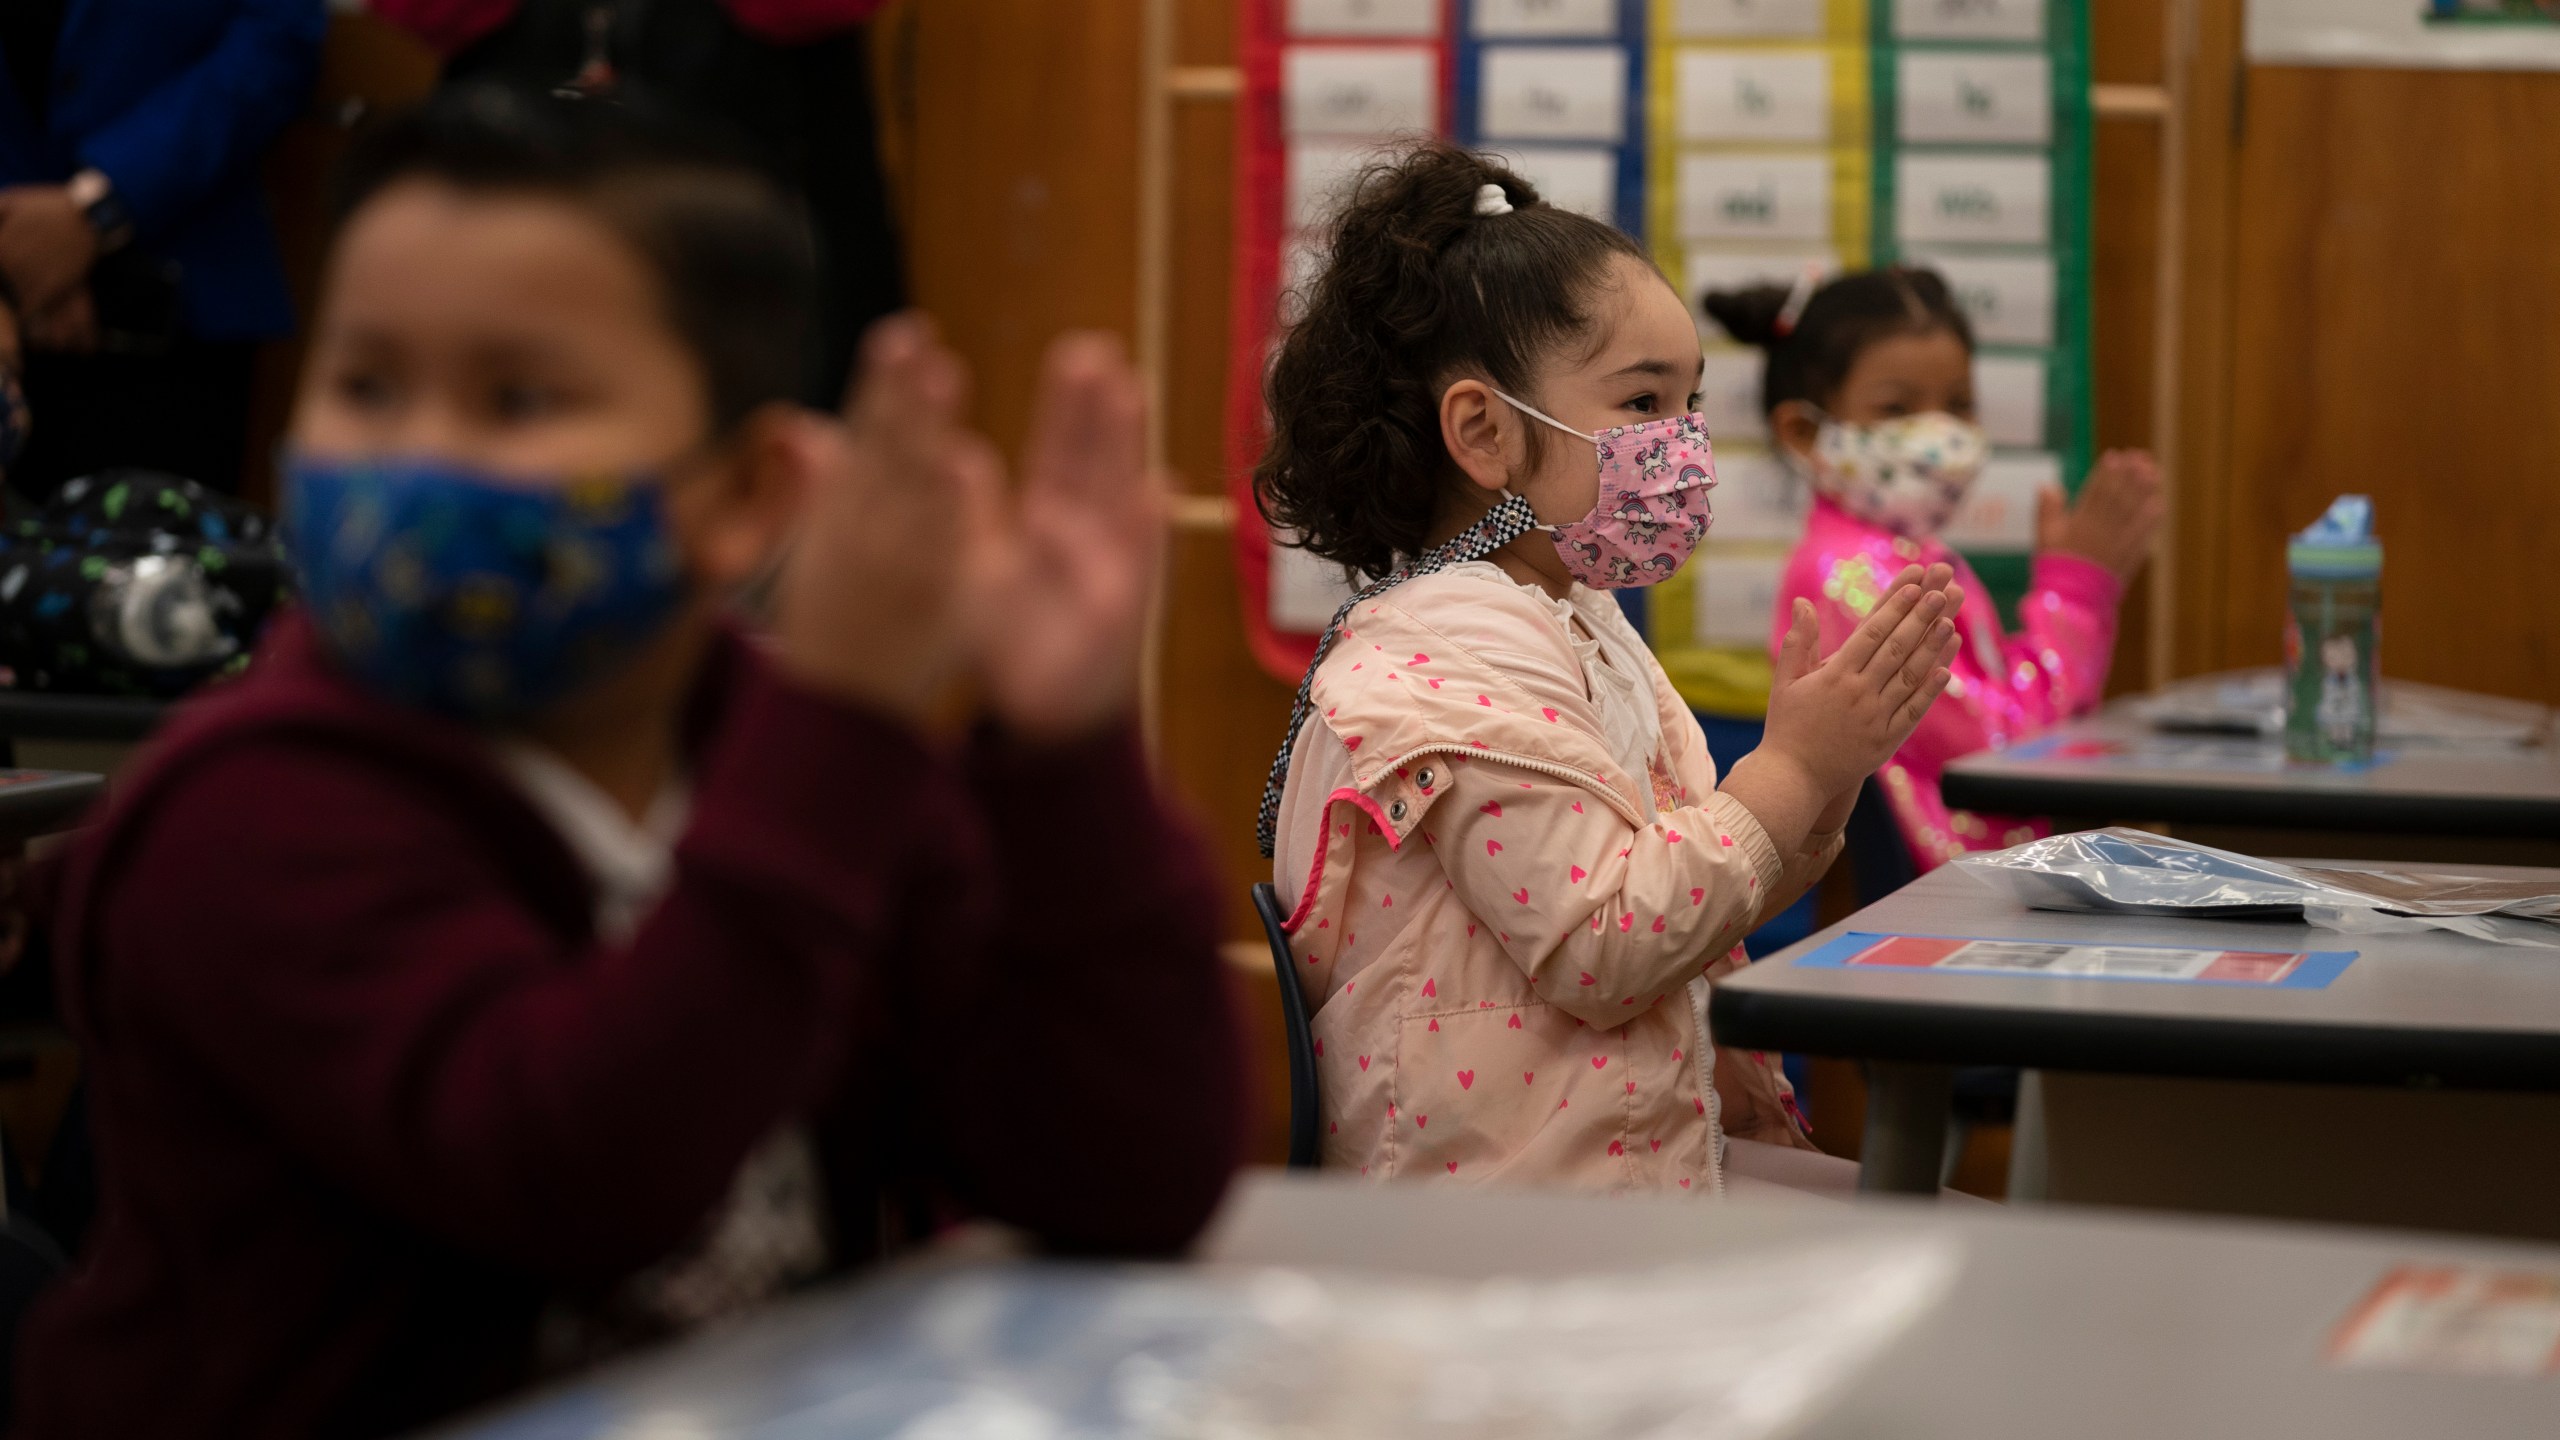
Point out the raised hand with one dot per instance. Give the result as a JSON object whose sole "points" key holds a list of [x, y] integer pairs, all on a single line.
{"points": [[1842, 718], [2116, 518], [1831, 724], [1058, 581], [867, 605]]}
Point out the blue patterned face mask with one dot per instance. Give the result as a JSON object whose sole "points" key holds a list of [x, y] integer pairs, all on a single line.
{"points": [[445, 588]]}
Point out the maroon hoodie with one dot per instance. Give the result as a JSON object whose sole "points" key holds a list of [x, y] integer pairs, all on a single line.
{"points": [[369, 1094]]}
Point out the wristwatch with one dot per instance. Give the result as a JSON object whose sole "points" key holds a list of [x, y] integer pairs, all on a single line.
{"points": [[96, 196]]}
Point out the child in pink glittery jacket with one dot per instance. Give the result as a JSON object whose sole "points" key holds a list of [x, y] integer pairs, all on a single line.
{"points": [[1869, 392]]}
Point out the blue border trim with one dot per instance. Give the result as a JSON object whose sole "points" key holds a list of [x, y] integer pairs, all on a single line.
{"points": [[2317, 969], [1633, 37]]}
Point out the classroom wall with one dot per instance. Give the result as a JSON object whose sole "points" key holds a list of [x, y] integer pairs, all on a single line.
{"points": [[2374, 306]]}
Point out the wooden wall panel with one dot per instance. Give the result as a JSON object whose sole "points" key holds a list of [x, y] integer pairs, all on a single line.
{"points": [[2124, 271], [1024, 159], [2396, 330]]}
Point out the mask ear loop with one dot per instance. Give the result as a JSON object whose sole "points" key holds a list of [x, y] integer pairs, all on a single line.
{"points": [[1525, 408]]}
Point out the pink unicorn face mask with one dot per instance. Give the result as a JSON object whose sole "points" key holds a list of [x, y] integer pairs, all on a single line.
{"points": [[1908, 474], [1652, 510]]}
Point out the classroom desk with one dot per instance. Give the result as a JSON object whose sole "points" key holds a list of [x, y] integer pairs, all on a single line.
{"points": [[75, 732], [35, 715], [2101, 1328], [40, 802], [2502, 802], [2411, 1023]]}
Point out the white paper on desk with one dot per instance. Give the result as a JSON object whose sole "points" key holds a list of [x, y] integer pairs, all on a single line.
{"points": [[1753, 94], [1305, 590], [1999, 512], [2008, 397], [1580, 178], [1554, 92], [1320, 176], [1973, 199], [1723, 18], [1737, 597], [1404, 19], [2008, 298], [1755, 197], [1729, 396], [1969, 19], [1358, 90], [1758, 498], [1707, 268], [1543, 19], [1974, 97]]}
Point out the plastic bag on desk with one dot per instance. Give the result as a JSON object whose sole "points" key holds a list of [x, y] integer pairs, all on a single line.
{"points": [[1746, 1348], [2134, 872]]}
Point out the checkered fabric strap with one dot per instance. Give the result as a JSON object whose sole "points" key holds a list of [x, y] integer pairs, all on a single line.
{"points": [[1501, 525]]}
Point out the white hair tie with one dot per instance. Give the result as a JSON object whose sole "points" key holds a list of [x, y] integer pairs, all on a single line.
{"points": [[1491, 200]]}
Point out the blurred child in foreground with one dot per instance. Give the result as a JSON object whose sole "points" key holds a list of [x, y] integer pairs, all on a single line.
{"points": [[520, 964]]}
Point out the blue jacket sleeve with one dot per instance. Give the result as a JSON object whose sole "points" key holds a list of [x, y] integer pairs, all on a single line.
{"points": [[213, 120]]}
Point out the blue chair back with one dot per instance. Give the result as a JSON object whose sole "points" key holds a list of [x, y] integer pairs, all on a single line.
{"points": [[1301, 1035]]}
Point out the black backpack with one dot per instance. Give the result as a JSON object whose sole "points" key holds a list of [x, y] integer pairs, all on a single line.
{"points": [[133, 582]]}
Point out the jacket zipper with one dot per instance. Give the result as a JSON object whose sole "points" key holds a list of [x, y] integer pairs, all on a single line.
{"points": [[1706, 1051], [1706, 1054], [1583, 778]]}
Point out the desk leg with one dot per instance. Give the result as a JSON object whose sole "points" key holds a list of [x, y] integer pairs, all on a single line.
{"points": [[1906, 1141]]}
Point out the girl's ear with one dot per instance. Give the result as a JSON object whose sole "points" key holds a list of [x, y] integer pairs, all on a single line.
{"points": [[1793, 427], [1480, 432]]}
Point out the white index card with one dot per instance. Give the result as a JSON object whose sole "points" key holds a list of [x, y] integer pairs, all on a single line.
{"points": [[2008, 398], [1753, 94], [1321, 173], [1580, 178], [1969, 19], [2008, 298], [1737, 598], [1999, 512], [1974, 97], [1305, 590], [1545, 19], [1758, 498], [1729, 396], [1724, 18], [1973, 199], [1755, 197], [1368, 19], [1349, 90], [1555, 92]]}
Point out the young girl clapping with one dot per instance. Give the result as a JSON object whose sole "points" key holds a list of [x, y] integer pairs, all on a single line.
{"points": [[1512, 858]]}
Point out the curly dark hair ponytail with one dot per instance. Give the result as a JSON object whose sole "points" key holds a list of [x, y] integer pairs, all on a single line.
{"points": [[1418, 290], [1844, 317]]}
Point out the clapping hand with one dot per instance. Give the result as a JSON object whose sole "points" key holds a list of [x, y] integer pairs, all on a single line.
{"points": [[1059, 579], [914, 566], [2116, 518]]}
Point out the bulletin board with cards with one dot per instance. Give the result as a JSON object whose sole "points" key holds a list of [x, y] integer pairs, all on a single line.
{"points": [[1328, 86], [1796, 135], [1748, 141]]}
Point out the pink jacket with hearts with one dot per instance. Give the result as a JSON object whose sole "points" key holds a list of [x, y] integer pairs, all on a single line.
{"points": [[1498, 924]]}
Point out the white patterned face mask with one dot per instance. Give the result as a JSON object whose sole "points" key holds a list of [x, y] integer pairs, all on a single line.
{"points": [[1908, 474]]}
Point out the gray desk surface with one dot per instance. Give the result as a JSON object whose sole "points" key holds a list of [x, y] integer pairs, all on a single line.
{"points": [[2096, 1327], [2411, 1009], [2113, 766], [40, 802]]}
